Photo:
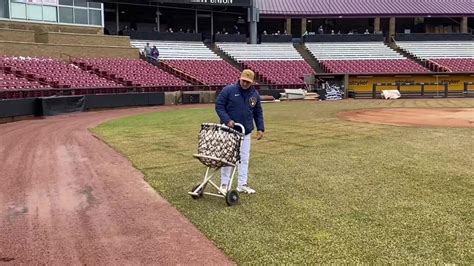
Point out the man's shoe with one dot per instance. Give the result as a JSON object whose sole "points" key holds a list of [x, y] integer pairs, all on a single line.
{"points": [[222, 189], [245, 189]]}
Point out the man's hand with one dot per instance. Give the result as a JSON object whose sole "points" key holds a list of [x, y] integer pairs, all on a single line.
{"points": [[231, 124], [259, 135]]}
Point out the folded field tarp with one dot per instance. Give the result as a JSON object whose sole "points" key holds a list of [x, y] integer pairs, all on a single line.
{"points": [[391, 94], [61, 105]]}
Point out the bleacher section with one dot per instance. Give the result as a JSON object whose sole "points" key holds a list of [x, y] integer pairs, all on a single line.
{"points": [[171, 50], [443, 56], [266, 51], [209, 72], [273, 63], [280, 72], [453, 64], [131, 72], [9, 82], [361, 57], [195, 60], [53, 72]]}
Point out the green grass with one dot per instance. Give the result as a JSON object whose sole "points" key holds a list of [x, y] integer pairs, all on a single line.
{"points": [[329, 191]]}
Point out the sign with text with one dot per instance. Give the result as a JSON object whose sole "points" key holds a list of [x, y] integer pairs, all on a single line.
{"points": [[364, 84], [216, 2], [241, 3]]}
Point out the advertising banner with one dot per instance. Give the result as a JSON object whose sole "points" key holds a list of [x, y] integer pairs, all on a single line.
{"points": [[363, 84]]}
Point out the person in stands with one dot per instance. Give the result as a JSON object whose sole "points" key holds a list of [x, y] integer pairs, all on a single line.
{"points": [[147, 51], [155, 53]]}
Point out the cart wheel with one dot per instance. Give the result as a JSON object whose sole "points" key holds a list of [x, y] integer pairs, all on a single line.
{"points": [[200, 192], [232, 197]]}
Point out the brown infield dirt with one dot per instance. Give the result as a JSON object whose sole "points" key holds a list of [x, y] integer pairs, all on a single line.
{"points": [[415, 117], [68, 198]]}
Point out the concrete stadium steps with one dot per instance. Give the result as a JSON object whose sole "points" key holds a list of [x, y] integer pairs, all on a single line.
{"points": [[280, 74], [192, 61], [215, 73], [409, 56], [164, 65], [278, 64], [213, 47], [308, 57]]}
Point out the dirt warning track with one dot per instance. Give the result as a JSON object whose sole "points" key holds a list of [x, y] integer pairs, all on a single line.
{"points": [[66, 197]]}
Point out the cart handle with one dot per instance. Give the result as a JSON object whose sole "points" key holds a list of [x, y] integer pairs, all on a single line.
{"points": [[241, 127]]}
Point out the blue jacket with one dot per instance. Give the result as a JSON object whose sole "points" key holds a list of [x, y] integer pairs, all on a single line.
{"points": [[242, 106]]}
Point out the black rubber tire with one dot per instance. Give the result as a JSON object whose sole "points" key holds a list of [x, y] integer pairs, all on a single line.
{"points": [[232, 197], [200, 192]]}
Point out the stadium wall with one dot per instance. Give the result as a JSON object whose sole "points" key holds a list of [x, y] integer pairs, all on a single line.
{"points": [[13, 108], [15, 35], [82, 39], [44, 27], [58, 50], [364, 84]]}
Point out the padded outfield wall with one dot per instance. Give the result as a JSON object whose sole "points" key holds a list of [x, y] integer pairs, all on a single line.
{"points": [[364, 84]]}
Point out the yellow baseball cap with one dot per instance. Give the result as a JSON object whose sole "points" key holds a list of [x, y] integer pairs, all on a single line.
{"points": [[247, 75]]}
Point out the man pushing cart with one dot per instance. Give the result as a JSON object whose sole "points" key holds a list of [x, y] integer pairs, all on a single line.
{"points": [[238, 106]]}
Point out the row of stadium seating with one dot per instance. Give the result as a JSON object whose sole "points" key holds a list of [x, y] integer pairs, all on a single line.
{"points": [[334, 57], [194, 60], [210, 72], [448, 56], [10, 81], [131, 72], [372, 66], [454, 64], [361, 57], [280, 72], [352, 50], [277, 64], [52, 72]]}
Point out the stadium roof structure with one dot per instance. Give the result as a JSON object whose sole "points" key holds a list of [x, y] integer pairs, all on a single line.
{"points": [[359, 8]]}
